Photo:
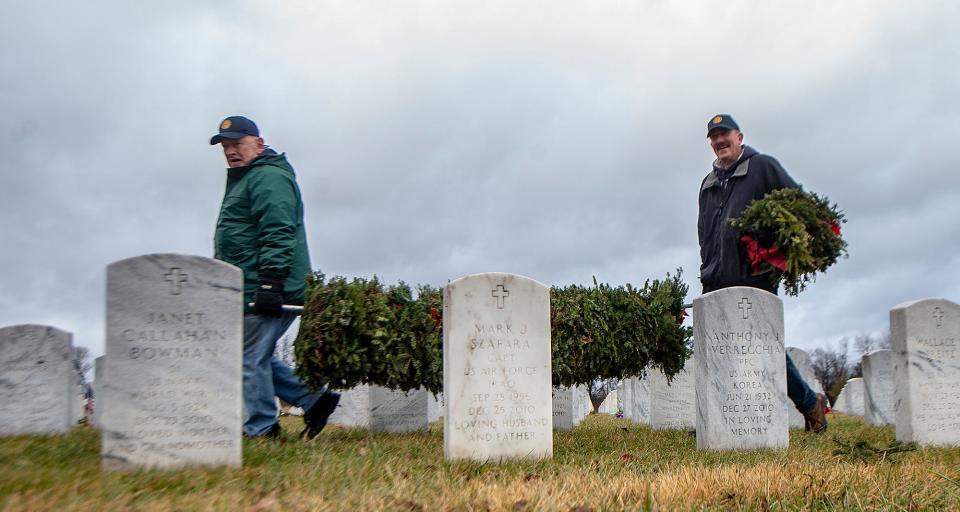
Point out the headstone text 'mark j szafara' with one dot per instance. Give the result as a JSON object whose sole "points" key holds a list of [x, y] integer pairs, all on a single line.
{"points": [[496, 369]]}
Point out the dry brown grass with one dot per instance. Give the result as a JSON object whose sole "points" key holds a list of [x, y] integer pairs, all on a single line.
{"points": [[605, 464]]}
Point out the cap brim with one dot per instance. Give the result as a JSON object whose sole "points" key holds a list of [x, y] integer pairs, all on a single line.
{"points": [[216, 139], [721, 127]]}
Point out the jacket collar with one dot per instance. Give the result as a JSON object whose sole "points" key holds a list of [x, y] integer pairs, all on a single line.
{"points": [[743, 166], [267, 155]]}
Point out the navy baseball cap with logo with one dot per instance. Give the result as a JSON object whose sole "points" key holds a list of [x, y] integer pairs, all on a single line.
{"points": [[723, 122], [235, 127]]}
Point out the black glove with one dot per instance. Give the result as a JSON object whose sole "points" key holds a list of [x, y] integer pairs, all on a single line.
{"points": [[268, 300]]}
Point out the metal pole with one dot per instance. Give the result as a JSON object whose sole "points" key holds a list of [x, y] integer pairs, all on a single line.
{"points": [[299, 309], [289, 308]]}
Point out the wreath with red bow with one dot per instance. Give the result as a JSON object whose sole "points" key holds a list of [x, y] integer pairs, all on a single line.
{"points": [[791, 235]]}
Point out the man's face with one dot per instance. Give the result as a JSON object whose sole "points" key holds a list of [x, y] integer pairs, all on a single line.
{"points": [[240, 152], [726, 144]]}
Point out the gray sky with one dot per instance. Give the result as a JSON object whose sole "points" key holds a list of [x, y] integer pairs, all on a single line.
{"points": [[438, 139]]}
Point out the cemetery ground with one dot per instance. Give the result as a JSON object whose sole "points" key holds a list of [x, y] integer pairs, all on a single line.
{"points": [[604, 464]]}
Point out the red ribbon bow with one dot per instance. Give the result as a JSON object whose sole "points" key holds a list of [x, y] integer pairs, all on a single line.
{"points": [[835, 227], [759, 255]]}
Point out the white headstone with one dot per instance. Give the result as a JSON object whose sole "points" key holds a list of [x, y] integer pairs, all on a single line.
{"points": [[802, 361], [673, 405], [398, 411], [98, 380], [878, 386], [78, 405], [568, 410], [581, 402], [604, 407], [741, 376], [925, 335], [434, 407], [37, 380], [496, 368], [850, 400], [626, 398], [611, 403], [640, 407], [353, 409], [174, 360]]}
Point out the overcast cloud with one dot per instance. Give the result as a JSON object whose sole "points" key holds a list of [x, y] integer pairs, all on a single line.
{"points": [[438, 139]]}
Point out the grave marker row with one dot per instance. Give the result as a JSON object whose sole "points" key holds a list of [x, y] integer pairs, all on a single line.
{"points": [[168, 391]]}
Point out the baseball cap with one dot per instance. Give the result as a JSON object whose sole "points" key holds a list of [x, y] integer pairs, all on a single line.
{"points": [[723, 121], [235, 127]]}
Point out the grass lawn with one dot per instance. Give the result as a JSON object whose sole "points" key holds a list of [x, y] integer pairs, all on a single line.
{"points": [[604, 464]]}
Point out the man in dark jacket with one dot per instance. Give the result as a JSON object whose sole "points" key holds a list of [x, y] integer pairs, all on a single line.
{"points": [[260, 230], [740, 174]]}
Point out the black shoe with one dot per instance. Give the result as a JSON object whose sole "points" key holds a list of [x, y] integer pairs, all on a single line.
{"points": [[273, 433], [815, 420], [316, 417]]}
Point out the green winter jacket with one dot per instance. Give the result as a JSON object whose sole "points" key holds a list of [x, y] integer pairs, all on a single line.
{"points": [[260, 228]]}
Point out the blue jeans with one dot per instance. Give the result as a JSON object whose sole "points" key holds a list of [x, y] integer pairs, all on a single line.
{"points": [[265, 376], [797, 389]]}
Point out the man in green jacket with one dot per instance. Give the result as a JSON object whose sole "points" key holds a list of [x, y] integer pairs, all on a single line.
{"points": [[260, 230]]}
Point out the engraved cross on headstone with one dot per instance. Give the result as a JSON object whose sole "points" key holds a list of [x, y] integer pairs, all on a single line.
{"points": [[500, 293], [745, 305], [938, 315], [175, 278]]}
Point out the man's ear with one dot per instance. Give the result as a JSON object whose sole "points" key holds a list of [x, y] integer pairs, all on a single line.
{"points": [[260, 145]]}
